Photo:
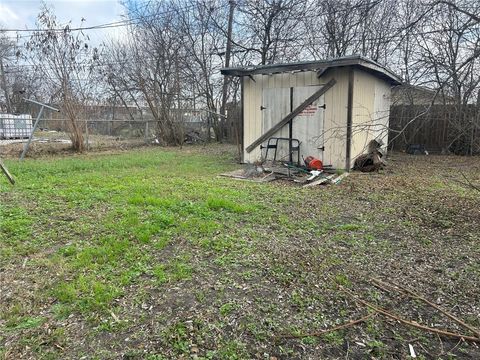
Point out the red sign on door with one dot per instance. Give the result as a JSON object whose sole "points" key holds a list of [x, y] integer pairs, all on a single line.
{"points": [[309, 111]]}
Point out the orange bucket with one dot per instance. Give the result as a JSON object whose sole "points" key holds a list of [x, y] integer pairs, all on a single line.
{"points": [[313, 163]]}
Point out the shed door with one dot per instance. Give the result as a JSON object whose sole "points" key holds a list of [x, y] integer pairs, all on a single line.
{"points": [[275, 106], [308, 125]]}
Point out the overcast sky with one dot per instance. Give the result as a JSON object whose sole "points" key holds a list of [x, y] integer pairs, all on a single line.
{"points": [[21, 14]]}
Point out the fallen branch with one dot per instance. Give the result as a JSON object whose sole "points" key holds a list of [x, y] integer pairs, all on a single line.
{"points": [[380, 285], [335, 328], [408, 322], [470, 183], [435, 306]]}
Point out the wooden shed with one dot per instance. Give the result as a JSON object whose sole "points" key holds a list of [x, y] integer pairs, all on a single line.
{"points": [[328, 109]]}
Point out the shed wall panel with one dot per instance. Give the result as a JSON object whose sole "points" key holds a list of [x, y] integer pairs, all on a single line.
{"points": [[383, 99], [362, 114], [308, 125], [252, 120], [276, 103], [335, 128], [371, 106]]}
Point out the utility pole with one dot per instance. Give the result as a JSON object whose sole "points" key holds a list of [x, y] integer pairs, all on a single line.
{"points": [[4, 85], [228, 51]]}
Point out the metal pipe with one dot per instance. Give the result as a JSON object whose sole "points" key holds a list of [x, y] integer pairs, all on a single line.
{"points": [[41, 104], [214, 113], [27, 144]]}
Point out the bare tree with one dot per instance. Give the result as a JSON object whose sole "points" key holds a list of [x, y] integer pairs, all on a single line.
{"points": [[152, 69], [202, 39], [6, 47], [451, 56], [64, 58], [115, 69], [269, 29], [340, 26]]}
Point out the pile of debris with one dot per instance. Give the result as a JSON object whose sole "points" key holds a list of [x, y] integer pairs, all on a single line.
{"points": [[325, 178], [307, 175], [312, 174], [372, 160]]}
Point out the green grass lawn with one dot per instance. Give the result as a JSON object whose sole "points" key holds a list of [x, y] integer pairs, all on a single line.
{"points": [[148, 254]]}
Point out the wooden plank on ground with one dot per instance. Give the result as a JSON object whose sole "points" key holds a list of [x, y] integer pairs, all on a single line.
{"points": [[340, 178], [319, 181], [6, 172], [290, 116]]}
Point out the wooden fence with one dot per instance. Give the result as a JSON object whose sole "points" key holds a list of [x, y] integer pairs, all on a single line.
{"points": [[440, 128]]}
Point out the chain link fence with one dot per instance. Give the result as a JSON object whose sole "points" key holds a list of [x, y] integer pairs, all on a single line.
{"points": [[103, 128]]}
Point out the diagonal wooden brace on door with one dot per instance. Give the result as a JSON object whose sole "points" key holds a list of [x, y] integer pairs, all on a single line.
{"points": [[292, 115]]}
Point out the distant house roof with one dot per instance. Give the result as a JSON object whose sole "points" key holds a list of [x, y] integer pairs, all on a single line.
{"points": [[407, 94], [318, 65]]}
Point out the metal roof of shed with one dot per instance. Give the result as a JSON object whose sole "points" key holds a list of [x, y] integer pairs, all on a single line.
{"points": [[318, 65]]}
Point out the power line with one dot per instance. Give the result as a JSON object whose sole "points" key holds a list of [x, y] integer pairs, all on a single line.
{"points": [[110, 25], [94, 27]]}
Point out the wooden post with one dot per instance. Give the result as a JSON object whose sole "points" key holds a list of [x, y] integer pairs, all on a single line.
{"points": [[241, 143], [146, 132], [87, 144], [290, 130], [349, 119]]}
